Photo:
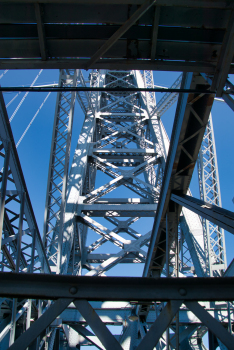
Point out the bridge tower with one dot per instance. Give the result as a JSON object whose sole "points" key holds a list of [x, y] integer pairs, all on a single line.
{"points": [[100, 219]]}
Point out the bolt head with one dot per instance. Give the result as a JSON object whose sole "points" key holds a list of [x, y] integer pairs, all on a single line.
{"points": [[182, 291], [73, 290]]}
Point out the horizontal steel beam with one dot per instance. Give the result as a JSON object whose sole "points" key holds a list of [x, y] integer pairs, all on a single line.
{"points": [[120, 32], [41, 286], [189, 3], [125, 210], [219, 216], [99, 258], [122, 201], [112, 64], [97, 31], [132, 151], [104, 89]]}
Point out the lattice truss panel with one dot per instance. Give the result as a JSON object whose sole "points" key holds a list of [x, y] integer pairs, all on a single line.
{"points": [[58, 163], [121, 148], [210, 192], [20, 232], [21, 245], [213, 260]]}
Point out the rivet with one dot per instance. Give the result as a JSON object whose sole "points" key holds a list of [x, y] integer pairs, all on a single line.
{"points": [[73, 290], [182, 291]]}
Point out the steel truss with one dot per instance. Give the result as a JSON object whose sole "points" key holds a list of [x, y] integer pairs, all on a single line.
{"points": [[209, 187], [58, 168], [22, 248], [119, 139], [123, 139], [210, 192]]}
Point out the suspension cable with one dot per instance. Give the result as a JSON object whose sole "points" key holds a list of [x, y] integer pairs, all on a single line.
{"points": [[9, 103], [24, 97], [5, 71], [25, 131]]}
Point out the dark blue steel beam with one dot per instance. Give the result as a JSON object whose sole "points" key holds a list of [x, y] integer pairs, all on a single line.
{"points": [[40, 324], [192, 115], [219, 216], [51, 287]]}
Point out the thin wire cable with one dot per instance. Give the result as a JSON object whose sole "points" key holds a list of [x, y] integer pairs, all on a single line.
{"points": [[5, 71], [9, 103], [24, 97], [25, 131]]}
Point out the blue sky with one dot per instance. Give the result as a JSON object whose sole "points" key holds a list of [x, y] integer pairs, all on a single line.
{"points": [[34, 150]]}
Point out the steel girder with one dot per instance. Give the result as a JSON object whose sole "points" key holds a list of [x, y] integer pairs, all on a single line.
{"points": [[192, 257], [161, 246], [117, 289], [210, 192], [212, 258], [159, 35], [59, 161], [192, 222], [58, 169], [209, 189]]}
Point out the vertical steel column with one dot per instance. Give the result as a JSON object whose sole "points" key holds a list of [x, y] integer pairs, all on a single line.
{"points": [[58, 169], [167, 275], [39, 313], [211, 340], [229, 318], [154, 121], [14, 306], [210, 192], [65, 176], [75, 187], [203, 163], [177, 275], [28, 317], [3, 188], [21, 218]]}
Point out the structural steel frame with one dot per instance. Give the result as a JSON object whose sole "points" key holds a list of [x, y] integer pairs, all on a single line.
{"points": [[123, 138], [109, 160]]}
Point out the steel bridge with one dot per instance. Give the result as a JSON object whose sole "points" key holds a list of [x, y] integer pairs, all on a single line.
{"points": [[125, 199]]}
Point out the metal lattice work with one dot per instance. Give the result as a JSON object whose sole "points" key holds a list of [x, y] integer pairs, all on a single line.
{"points": [[210, 192], [22, 248], [59, 161], [21, 244], [94, 221], [168, 99], [122, 150], [58, 167], [214, 261]]}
